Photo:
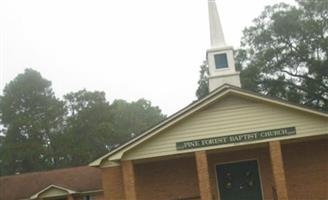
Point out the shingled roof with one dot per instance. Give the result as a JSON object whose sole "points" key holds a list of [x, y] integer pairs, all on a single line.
{"points": [[80, 179]]}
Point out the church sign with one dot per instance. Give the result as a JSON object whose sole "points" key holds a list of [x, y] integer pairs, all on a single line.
{"points": [[238, 138]]}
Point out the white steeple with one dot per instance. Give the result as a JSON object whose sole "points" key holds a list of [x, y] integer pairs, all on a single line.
{"points": [[217, 37], [220, 56]]}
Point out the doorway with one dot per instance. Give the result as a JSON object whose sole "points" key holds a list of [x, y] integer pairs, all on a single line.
{"points": [[239, 181]]}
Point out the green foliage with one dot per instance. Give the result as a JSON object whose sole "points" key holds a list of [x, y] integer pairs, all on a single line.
{"points": [[284, 54], [202, 89], [89, 127], [130, 119], [41, 132], [31, 116]]}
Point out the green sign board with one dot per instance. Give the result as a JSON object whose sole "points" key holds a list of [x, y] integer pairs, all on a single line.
{"points": [[244, 137]]}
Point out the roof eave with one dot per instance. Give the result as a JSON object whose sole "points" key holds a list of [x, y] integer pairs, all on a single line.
{"points": [[98, 161], [199, 103], [36, 195]]}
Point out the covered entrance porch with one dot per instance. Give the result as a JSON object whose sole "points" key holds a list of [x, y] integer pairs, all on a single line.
{"points": [[201, 153], [197, 175], [281, 165]]}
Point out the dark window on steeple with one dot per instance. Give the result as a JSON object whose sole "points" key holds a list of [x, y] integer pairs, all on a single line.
{"points": [[221, 61]]}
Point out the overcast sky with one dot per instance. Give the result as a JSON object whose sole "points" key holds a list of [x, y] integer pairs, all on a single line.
{"points": [[130, 49]]}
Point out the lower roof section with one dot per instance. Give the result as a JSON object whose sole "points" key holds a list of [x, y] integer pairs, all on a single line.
{"points": [[71, 180]]}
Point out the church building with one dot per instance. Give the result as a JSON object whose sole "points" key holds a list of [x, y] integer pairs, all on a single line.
{"points": [[233, 144]]}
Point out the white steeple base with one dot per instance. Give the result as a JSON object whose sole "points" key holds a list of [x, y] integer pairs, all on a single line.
{"points": [[217, 81], [220, 58]]}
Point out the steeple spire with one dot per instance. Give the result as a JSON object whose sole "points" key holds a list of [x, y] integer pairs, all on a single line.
{"points": [[217, 37], [220, 58]]}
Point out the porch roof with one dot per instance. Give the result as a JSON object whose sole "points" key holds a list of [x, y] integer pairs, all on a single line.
{"points": [[214, 96]]}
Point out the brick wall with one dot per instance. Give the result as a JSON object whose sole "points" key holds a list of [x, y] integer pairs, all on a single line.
{"points": [[99, 196], [204, 184], [306, 169], [167, 180], [129, 180], [177, 178], [112, 183]]}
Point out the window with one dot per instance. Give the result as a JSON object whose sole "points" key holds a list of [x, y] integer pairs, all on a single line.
{"points": [[88, 197], [221, 61]]}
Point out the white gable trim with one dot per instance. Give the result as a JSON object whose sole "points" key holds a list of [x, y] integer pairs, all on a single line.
{"points": [[172, 117], [117, 154], [36, 195]]}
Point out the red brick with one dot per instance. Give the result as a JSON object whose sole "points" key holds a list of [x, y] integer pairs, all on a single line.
{"points": [[112, 183], [70, 197], [167, 179], [278, 170], [305, 163], [129, 180], [306, 168], [203, 175]]}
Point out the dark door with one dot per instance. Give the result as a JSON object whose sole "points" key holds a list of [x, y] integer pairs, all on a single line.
{"points": [[239, 181]]}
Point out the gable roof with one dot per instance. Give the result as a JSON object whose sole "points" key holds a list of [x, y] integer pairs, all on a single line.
{"points": [[220, 92], [24, 186], [50, 187]]}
